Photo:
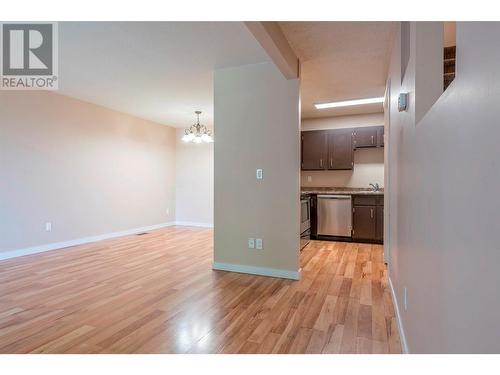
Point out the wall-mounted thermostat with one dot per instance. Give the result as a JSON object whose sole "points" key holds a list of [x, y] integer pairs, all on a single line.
{"points": [[403, 102]]}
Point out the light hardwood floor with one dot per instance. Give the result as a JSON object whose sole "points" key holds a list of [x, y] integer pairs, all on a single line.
{"points": [[157, 293]]}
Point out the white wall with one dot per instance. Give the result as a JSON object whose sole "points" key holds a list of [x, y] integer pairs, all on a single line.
{"points": [[444, 213], [86, 169], [194, 182], [368, 163], [257, 124]]}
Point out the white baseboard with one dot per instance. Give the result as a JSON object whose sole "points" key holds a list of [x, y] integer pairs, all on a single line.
{"points": [[402, 336], [80, 241], [261, 271], [194, 224]]}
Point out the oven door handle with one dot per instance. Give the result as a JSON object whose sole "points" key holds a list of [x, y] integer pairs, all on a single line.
{"points": [[334, 197]]}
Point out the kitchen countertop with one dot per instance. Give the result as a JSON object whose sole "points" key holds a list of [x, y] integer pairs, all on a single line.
{"points": [[340, 190]]}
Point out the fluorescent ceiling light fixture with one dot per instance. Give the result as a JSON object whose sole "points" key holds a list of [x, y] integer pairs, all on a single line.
{"points": [[348, 103]]}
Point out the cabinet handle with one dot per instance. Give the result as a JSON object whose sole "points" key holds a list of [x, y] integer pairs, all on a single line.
{"points": [[321, 163], [372, 139], [331, 162], [371, 213]]}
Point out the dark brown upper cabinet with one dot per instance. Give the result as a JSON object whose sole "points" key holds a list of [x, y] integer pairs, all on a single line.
{"points": [[340, 149], [370, 136], [314, 150], [380, 136], [327, 149]]}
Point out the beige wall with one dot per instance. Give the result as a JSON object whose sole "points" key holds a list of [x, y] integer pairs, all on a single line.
{"points": [[257, 124], [341, 122], [443, 240], [86, 169], [450, 33], [368, 163], [194, 182]]}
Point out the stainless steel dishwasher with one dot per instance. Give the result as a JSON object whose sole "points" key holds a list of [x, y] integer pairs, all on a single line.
{"points": [[334, 215]]}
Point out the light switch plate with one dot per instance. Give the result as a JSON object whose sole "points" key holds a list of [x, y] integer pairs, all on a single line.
{"points": [[309, 178], [48, 227], [403, 102], [259, 174], [251, 243]]}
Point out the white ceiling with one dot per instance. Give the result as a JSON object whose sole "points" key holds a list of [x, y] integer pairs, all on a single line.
{"points": [[340, 61], [161, 71]]}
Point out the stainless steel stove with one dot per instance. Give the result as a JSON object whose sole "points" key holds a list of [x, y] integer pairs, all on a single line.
{"points": [[305, 220]]}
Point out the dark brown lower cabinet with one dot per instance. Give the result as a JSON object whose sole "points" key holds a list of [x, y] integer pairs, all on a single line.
{"points": [[368, 218], [364, 222], [380, 223]]}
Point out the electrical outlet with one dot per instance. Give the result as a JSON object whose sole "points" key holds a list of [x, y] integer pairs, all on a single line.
{"points": [[405, 298], [309, 178], [251, 243], [259, 174], [258, 243], [48, 227]]}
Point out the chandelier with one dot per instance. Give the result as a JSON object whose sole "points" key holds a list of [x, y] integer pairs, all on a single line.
{"points": [[197, 133]]}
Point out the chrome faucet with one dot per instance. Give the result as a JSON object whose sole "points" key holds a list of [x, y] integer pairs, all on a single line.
{"points": [[375, 187]]}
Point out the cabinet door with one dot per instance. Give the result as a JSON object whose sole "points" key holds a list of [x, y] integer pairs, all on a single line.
{"points": [[314, 150], [340, 149], [364, 222], [380, 223], [365, 137], [380, 136]]}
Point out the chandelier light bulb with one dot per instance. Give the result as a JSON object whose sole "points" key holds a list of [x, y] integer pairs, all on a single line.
{"points": [[188, 137]]}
